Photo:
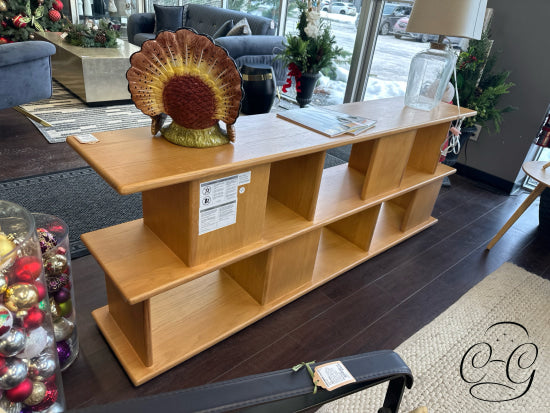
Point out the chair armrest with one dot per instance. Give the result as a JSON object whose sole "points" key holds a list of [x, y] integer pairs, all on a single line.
{"points": [[279, 391], [238, 46], [14, 53], [140, 23]]}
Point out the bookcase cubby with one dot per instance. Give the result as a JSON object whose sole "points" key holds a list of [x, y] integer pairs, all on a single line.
{"points": [[232, 233]]}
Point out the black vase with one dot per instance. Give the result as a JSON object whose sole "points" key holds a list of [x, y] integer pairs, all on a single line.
{"points": [[259, 87], [307, 85]]}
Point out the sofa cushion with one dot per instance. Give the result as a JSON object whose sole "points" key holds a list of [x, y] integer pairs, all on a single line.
{"points": [[223, 29], [141, 37], [207, 19], [168, 17], [241, 28]]}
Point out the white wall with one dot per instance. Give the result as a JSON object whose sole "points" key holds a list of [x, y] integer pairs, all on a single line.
{"points": [[520, 32]]}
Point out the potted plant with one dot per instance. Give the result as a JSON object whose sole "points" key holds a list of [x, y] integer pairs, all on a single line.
{"points": [[308, 52], [480, 88]]}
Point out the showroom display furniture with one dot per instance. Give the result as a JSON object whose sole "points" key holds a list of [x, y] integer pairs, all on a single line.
{"points": [[260, 47], [25, 75], [538, 170], [188, 275], [279, 391], [94, 74]]}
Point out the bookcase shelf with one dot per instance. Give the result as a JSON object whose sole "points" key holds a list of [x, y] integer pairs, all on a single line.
{"points": [[183, 278]]}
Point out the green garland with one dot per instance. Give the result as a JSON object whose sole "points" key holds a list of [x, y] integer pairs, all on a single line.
{"points": [[84, 36]]}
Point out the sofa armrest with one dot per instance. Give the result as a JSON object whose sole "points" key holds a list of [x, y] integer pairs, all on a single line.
{"points": [[140, 23], [238, 46], [14, 53]]}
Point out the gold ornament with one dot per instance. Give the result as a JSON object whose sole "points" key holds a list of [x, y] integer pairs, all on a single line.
{"points": [[186, 76], [20, 297], [6, 246], [3, 283], [55, 265], [37, 395], [3, 6]]}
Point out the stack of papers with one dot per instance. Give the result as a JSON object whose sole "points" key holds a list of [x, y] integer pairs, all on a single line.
{"points": [[328, 122]]}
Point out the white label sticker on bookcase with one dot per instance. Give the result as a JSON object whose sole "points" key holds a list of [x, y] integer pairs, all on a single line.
{"points": [[244, 178], [218, 206]]}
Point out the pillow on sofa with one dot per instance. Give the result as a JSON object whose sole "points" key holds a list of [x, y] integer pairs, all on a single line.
{"points": [[241, 28], [223, 29], [168, 17]]}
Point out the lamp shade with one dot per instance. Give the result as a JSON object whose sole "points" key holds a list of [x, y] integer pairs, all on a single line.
{"points": [[458, 18]]}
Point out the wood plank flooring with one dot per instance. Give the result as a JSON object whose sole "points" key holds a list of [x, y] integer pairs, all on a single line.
{"points": [[375, 306]]}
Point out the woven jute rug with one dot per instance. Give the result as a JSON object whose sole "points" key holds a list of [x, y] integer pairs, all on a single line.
{"points": [[489, 352]]}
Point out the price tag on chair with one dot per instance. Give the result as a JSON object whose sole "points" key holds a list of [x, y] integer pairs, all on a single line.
{"points": [[332, 375]]}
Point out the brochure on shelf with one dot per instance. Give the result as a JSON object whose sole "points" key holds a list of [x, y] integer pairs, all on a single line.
{"points": [[327, 121]]}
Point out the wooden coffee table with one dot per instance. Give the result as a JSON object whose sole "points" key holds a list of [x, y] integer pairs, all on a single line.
{"points": [[93, 74]]}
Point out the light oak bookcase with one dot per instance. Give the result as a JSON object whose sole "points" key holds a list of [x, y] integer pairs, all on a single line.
{"points": [[173, 293]]}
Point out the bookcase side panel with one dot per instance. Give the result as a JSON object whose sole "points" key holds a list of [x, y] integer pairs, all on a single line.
{"points": [[290, 265], [251, 275], [201, 220], [295, 182], [387, 163], [167, 212], [426, 150], [133, 321], [360, 155], [421, 205], [358, 228]]}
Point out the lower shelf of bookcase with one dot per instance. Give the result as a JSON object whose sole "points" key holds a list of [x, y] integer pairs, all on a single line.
{"points": [[225, 308]]}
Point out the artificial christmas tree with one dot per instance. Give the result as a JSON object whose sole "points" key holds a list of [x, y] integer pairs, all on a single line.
{"points": [[20, 19]]}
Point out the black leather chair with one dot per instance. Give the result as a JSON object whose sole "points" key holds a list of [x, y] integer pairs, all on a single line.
{"points": [[277, 392]]}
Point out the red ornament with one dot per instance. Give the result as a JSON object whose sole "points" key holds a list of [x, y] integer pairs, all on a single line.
{"points": [[3, 40], [4, 24], [17, 21], [57, 5], [34, 318], [54, 15], [19, 392], [27, 269], [42, 291]]}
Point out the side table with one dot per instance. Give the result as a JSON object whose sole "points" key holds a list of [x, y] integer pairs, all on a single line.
{"points": [[538, 170]]}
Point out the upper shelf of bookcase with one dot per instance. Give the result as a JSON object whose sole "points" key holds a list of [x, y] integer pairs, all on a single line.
{"points": [[131, 160]]}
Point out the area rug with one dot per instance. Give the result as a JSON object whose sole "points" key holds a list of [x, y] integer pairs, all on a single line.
{"points": [[80, 197], [68, 115], [489, 352]]}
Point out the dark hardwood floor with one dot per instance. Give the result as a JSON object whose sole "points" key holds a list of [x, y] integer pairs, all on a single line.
{"points": [[375, 306]]}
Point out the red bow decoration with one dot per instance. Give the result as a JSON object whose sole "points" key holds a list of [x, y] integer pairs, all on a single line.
{"points": [[293, 71]]}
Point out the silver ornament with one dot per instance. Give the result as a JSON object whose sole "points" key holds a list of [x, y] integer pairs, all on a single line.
{"points": [[43, 366], [15, 372], [13, 342], [9, 407], [63, 329]]}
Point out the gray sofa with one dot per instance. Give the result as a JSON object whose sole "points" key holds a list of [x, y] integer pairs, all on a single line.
{"points": [[260, 47], [25, 72]]}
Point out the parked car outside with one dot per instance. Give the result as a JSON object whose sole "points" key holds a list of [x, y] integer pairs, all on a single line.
{"points": [[391, 13], [341, 8], [400, 32]]}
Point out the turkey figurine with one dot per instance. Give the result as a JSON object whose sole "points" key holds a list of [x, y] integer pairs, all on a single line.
{"points": [[184, 75]]}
